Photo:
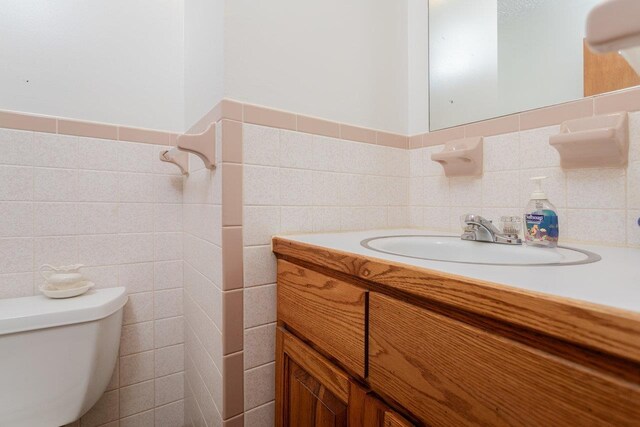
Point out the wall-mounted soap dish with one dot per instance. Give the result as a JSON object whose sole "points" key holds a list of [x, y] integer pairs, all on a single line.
{"points": [[599, 141], [461, 157], [202, 145], [177, 157]]}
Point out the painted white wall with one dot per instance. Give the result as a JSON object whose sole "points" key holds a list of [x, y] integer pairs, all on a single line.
{"points": [[203, 57], [115, 61], [335, 59], [418, 66]]}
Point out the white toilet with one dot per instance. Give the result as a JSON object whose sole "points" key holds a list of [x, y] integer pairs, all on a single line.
{"points": [[57, 356]]}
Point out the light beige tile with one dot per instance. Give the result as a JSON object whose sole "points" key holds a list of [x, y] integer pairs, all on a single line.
{"points": [[260, 224], [133, 157], [169, 389], [167, 303], [17, 146], [97, 154], [269, 117], [634, 136], [54, 219], [259, 266], [596, 188], [501, 189], [169, 360], [47, 250], [16, 285], [466, 191], [262, 416], [16, 255], [294, 187], [296, 150], [633, 228], [136, 398], [502, 152], [633, 186], [97, 186], [259, 305], [167, 188], [296, 220], [167, 217], [136, 247], [97, 218], [168, 274], [317, 126], [261, 145], [136, 187], [16, 183], [169, 332], [611, 226], [437, 191], [325, 188], [17, 219], [143, 419], [136, 277], [56, 185], [168, 246], [55, 151], [261, 185], [259, 386], [104, 276], [139, 308], [535, 151], [436, 218], [416, 216], [135, 217], [136, 368], [104, 411], [170, 415], [136, 338], [259, 345], [326, 219]]}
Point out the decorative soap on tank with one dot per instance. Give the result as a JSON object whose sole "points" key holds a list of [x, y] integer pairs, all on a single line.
{"points": [[540, 219]]}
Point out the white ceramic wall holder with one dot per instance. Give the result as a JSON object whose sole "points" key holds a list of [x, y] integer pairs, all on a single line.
{"points": [[598, 141], [178, 158], [461, 157], [202, 145]]}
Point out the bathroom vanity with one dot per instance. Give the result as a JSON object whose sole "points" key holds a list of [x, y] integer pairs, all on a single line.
{"points": [[373, 339]]}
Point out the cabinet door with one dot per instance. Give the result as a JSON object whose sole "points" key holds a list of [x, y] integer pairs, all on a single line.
{"points": [[310, 391]]}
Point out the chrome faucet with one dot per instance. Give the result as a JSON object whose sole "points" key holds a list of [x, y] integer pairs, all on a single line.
{"points": [[480, 229]]}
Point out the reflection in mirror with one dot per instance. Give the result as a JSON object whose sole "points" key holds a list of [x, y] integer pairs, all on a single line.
{"points": [[491, 58]]}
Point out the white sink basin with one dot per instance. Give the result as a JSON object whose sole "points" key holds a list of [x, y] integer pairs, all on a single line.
{"points": [[453, 249]]}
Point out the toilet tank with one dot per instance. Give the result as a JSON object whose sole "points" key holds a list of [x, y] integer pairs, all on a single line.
{"points": [[57, 355]]}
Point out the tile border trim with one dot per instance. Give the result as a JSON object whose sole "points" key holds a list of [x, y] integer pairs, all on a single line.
{"points": [[623, 100]]}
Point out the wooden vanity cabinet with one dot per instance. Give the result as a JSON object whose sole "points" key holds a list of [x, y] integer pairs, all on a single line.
{"points": [[355, 348], [313, 392]]}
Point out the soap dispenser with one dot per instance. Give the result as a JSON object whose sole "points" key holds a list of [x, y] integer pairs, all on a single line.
{"points": [[540, 219]]}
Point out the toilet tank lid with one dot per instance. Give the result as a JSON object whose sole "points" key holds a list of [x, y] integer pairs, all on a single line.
{"points": [[39, 312]]}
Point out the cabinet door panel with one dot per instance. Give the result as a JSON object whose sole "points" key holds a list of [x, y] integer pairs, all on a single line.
{"points": [[449, 373], [311, 404]]}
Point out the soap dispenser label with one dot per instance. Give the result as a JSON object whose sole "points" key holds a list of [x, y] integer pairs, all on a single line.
{"points": [[541, 228]]}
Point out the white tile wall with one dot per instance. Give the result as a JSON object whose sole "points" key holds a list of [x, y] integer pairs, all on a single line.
{"points": [[596, 205], [64, 200], [295, 183], [202, 293]]}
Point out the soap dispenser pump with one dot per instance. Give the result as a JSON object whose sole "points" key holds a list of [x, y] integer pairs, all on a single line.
{"points": [[540, 219]]}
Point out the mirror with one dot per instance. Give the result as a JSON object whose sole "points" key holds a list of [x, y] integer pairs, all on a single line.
{"points": [[490, 58]]}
